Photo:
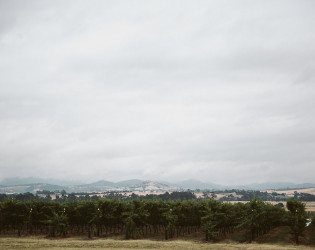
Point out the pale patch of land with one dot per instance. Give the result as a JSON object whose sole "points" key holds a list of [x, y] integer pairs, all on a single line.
{"points": [[81, 243], [217, 195], [310, 206], [143, 193], [290, 192]]}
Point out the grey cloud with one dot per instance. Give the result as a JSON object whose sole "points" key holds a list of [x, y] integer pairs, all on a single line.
{"points": [[221, 91]]}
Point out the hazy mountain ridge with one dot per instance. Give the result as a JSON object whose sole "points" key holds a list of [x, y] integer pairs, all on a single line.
{"points": [[272, 185], [32, 188], [196, 184], [131, 182], [100, 183], [128, 185], [33, 180], [138, 185]]}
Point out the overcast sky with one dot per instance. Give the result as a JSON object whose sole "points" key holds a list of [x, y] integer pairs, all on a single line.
{"points": [[220, 91]]}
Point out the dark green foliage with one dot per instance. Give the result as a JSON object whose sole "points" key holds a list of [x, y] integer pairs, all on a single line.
{"points": [[170, 221], [297, 218], [135, 218], [211, 220], [312, 220], [259, 218], [311, 230], [305, 197], [57, 223], [138, 218]]}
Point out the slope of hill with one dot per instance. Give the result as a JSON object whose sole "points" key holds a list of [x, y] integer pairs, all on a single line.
{"points": [[127, 183], [32, 188], [152, 186], [195, 184], [143, 186], [102, 183]]}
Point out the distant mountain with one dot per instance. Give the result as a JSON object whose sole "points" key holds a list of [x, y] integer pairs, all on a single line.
{"points": [[32, 188], [274, 185], [128, 182], [125, 183], [196, 184], [32, 180], [128, 185], [21, 181], [304, 185], [103, 183], [22, 185], [268, 185]]}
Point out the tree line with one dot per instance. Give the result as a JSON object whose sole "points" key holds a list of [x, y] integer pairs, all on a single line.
{"points": [[136, 218], [62, 196], [240, 195]]}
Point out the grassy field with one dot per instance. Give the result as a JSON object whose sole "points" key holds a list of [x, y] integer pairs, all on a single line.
{"points": [[83, 243], [277, 238]]}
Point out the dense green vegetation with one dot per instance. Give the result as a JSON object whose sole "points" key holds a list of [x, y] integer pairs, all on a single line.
{"points": [[136, 218], [229, 195]]}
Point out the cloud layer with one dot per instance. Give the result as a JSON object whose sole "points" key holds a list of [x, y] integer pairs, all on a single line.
{"points": [[221, 91]]}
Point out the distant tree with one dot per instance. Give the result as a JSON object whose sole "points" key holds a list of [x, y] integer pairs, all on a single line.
{"points": [[280, 204], [48, 197], [25, 197]]}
